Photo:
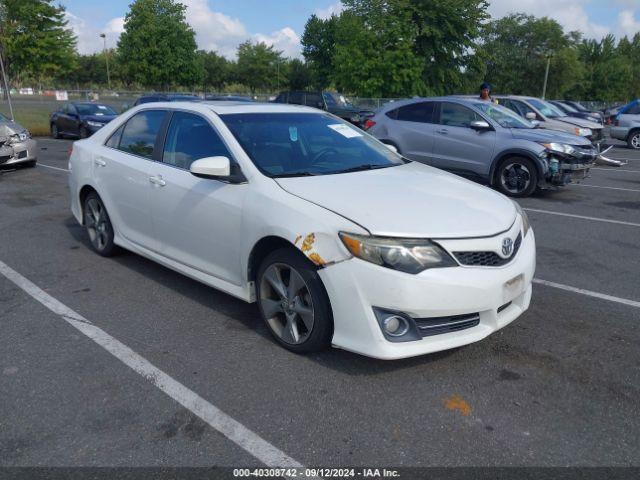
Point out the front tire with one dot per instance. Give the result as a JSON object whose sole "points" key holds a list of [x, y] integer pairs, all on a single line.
{"points": [[516, 177], [55, 133], [98, 226], [293, 302], [84, 133], [633, 140]]}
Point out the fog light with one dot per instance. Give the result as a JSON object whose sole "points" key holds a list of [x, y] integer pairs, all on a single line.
{"points": [[395, 325]]}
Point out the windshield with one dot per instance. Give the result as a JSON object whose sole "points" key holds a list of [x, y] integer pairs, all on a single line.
{"points": [[580, 107], [94, 109], [505, 117], [566, 107], [299, 144], [336, 100], [547, 109]]}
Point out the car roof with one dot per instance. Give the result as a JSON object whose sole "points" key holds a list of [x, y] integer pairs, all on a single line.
{"points": [[222, 107], [462, 99]]}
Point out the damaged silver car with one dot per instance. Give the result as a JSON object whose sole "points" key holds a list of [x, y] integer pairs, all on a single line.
{"points": [[17, 148]]}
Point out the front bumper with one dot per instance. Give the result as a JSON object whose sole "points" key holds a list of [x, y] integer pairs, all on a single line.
{"points": [[355, 287], [20, 152]]}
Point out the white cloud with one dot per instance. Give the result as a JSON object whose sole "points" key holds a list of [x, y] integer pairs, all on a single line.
{"points": [[628, 25], [569, 13], [285, 40], [333, 9], [214, 31], [89, 40]]}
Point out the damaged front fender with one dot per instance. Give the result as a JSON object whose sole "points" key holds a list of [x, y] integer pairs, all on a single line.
{"points": [[321, 248]]}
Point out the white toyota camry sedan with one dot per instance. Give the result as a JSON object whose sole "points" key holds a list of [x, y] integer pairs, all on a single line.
{"points": [[338, 239]]}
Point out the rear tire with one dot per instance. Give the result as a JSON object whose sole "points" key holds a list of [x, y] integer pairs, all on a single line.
{"points": [[293, 302], [516, 177], [98, 226], [633, 140]]}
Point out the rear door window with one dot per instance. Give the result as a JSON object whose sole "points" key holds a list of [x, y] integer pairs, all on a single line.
{"points": [[190, 138], [140, 133], [422, 112]]}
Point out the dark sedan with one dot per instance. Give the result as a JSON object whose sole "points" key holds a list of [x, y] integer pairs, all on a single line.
{"points": [[572, 111], [80, 119]]}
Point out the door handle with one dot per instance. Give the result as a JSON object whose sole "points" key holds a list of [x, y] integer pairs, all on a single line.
{"points": [[158, 181], [99, 162]]}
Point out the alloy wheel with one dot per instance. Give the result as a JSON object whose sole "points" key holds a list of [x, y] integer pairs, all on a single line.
{"points": [[96, 223], [635, 141], [286, 303], [515, 178]]}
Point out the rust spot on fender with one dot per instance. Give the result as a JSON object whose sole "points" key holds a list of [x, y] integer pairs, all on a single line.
{"points": [[317, 259], [307, 244], [456, 402]]}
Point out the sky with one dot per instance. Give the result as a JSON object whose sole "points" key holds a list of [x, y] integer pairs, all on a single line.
{"points": [[221, 25]]}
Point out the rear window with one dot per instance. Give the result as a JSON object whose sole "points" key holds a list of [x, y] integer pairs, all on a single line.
{"points": [[417, 112]]}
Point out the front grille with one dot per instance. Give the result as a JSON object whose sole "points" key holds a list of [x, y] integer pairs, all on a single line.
{"points": [[438, 325], [597, 135], [487, 259], [22, 154]]}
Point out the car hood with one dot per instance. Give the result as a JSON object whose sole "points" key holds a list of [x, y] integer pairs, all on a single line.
{"points": [[544, 135], [8, 128], [411, 200], [580, 122], [99, 118]]}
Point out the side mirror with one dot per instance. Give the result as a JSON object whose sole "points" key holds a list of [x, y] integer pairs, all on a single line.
{"points": [[211, 167], [535, 123], [530, 116], [391, 147], [479, 125]]}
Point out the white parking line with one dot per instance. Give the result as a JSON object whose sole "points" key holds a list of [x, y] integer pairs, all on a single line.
{"points": [[582, 291], [583, 217], [230, 428], [608, 188], [614, 169], [49, 166]]}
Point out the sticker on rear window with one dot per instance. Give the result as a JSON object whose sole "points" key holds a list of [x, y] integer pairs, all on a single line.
{"points": [[345, 130], [293, 134]]}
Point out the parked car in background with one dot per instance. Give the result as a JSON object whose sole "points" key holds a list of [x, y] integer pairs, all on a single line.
{"points": [[626, 125], [338, 239], [17, 148], [80, 119], [571, 111], [228, 98], [550, 117], [609, 113], [332, 102], [166, 97], [483, 141], [581, 108]]}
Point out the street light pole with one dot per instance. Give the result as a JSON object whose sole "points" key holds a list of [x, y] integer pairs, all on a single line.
{"points": [[104, 51], [546, 76], [6, 85]]}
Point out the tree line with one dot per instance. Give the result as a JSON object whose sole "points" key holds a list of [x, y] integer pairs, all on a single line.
{"points": [[373, 48]]}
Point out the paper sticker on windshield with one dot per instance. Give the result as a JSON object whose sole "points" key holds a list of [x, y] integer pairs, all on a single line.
{"points": [[102, 107], [345, 130], [293, 134]]}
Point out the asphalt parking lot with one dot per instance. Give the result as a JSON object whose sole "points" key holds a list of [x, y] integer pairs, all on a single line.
{"points": [[558, 387]]}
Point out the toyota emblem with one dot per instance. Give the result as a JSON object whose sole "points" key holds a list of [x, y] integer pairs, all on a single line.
{"points": [[507, 246]]}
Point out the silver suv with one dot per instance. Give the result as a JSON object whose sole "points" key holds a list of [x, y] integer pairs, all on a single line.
{"points": [[483, 141], [626, 125]]}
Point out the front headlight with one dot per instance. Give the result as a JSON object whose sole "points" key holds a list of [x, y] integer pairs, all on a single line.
{"points": [[407, 255], [583, 132], [560, 148], [91, 123], [526, 226], [18, 137]]}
